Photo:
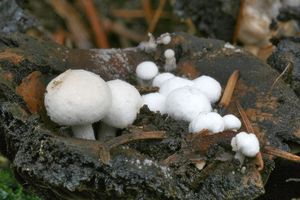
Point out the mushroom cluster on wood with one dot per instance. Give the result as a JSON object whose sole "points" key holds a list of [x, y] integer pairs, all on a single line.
{"points": [[78, 98]]}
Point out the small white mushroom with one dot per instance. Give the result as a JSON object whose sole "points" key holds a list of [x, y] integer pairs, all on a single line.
{"points": [[161, 78], [209, 86], [126, 103], [170, 64], [155, 102], [211, 121], [172, 84], [231, 122], [150, 45], [245, 144], [145, 72], [78, 98], [164, 39], [186, 103]]}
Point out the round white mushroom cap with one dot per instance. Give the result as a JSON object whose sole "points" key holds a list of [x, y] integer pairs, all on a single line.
{"points": [[186, 103], [126, 103], [211, 121], [169, 53], [161, 78], [146, 70], [245, 143], [164, 39], [172, 84], [77, 97], [209, 86], [155, 102], [231, 122]]}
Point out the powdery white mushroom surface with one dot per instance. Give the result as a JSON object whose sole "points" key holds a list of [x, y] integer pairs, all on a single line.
{"points": [[77, 98], [146, 70], [164, 39], [170, 63], [186, 103], [126, 102], [209, 86], [246, 144], [155, 102], [231, 122], [174, 83], [161, 78], [211, 121]]}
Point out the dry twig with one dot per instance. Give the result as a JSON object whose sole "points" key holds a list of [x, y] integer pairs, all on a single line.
{"points": [[228, 91], [157, 15], [96, 23], [74, 23]]}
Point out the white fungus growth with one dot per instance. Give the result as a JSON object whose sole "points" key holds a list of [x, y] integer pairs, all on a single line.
{"points": [[78, 98], [126, 102], [211, 121], [155, 102], [164, 39], [161, 78], [186, 103], [227, 45], [209, 86], [174, 83], [245, 144], [170, 63], [231, 122], [146, 71], [150, 45]]}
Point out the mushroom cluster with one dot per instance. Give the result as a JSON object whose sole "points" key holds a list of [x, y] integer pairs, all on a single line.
{"points": [[79, 98]]}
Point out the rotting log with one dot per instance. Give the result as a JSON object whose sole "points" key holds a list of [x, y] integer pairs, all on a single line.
{"points": [[56, 166]]}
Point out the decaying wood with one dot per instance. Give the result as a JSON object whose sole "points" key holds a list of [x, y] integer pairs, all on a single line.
{"points": [[63, 167]]}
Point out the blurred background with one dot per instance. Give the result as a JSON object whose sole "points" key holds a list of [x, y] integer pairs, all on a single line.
{"points": [[256, 25]]}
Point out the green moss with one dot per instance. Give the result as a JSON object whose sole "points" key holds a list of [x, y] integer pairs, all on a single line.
{"points": [[10, 189]]}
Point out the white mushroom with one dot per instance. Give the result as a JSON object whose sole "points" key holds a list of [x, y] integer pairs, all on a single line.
{"points": [[126, 103], [164, 39], [231, 122], [186, 103], [78, 98], [211, 121], [155, 102], [170, 64], [161, 78], [172, 84], [209, 86], [245, 144], [145, 72], [150, 45]]}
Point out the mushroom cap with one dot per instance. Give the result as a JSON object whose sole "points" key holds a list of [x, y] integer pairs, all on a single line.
{"points": [[231, 122], [211, 121], [146, 70], [174, 83], [155, 102], [161, 78], [245, 143], [164, 38], [169, 53], [126, 103], [186, 103], [209, 86], [77, 97]]}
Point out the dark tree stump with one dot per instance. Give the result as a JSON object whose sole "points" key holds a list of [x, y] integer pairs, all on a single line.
{"points": [[60, 167]]}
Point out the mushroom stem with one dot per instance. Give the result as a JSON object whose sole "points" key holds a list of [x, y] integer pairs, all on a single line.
{"points": [[83, 132]]}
